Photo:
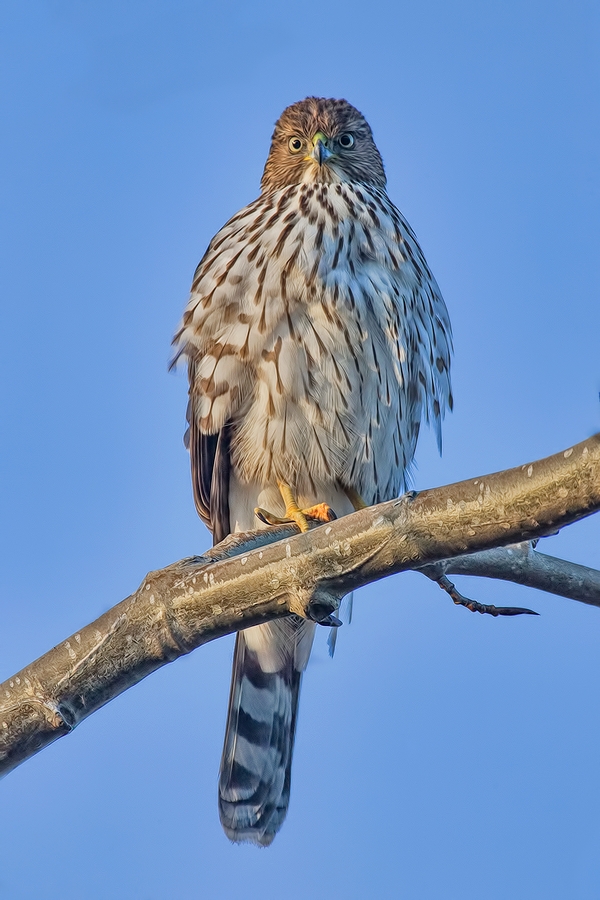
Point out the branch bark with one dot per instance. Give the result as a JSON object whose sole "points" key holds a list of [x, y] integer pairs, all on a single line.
{"points": [[251, 578], [522, 564]]}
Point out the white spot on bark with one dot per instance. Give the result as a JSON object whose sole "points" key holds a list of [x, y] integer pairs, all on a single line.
{"points": [[328, 529], [78, 638], [244, 560], [563, 492], [529, 471], [567, 453], [288, 551], [260, 555], [152, 596]]}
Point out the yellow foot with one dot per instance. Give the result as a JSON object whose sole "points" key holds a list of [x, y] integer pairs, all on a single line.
{"points": [[321, 512]]}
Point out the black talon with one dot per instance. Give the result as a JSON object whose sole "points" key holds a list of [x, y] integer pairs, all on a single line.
{"points": [[260, 516]]}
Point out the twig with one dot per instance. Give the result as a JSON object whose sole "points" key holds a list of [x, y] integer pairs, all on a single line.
{"points": [[475, 606]]}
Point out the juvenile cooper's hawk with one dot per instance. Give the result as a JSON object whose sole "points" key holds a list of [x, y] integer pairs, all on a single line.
{"points": [[317, 340]]}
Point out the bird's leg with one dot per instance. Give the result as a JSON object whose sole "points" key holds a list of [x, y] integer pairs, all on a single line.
{"points": [[355, 499], [293, 513], [321, 512]]}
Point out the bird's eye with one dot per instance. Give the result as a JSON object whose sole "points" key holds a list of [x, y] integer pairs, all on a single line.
{"points": [[346, 141], [295, 144]]}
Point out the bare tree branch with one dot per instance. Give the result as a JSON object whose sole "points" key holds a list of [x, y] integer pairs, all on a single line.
{"points": [[522, 564], [251, 578], [474, 605]]}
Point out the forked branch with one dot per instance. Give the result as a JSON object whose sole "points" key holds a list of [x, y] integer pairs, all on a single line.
{"points": [[251, 578]]}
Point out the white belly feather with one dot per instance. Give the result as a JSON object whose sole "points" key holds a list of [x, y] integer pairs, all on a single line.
{"points": [[321, 334]]}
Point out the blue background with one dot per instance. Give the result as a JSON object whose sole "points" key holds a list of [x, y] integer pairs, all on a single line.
{"points": [[441, 754]]}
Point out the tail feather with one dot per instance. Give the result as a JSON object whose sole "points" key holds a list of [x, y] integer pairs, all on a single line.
{"points": [[254, 783]]}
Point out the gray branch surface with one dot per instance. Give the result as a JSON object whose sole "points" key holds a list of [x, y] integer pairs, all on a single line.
{"points": [[248, 579], [522, 564]]}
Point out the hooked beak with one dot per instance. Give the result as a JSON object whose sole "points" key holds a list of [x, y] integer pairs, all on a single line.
{"points": [[320, 152]]}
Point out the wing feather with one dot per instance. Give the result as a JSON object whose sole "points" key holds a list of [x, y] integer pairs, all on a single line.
{"points": [[211, 467]]}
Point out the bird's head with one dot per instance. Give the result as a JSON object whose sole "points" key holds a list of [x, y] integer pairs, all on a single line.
{"points": [[320, 140]]}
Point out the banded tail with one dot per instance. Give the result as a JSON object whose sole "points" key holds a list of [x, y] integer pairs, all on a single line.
{"points": [[254, 782]]}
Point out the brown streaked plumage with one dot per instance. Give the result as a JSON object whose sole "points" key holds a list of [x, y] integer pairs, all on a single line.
{"points": [[317, 341]]}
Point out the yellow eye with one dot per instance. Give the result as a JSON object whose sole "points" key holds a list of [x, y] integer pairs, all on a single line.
{"points": [[346, 140], [295, 144]]}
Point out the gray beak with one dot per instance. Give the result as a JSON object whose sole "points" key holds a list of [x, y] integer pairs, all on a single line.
{"points": [[320, 152]]}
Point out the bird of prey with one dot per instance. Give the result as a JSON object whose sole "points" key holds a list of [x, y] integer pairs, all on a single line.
{"points": [[317, 341]]}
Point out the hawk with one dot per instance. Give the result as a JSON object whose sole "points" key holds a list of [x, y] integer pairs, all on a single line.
{"points": [[317, 341]]}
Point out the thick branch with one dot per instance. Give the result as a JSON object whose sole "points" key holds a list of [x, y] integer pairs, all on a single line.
{"points": [[249, 580]]}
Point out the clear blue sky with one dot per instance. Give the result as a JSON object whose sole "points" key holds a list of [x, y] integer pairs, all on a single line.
{"points": [[441, 755]]}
